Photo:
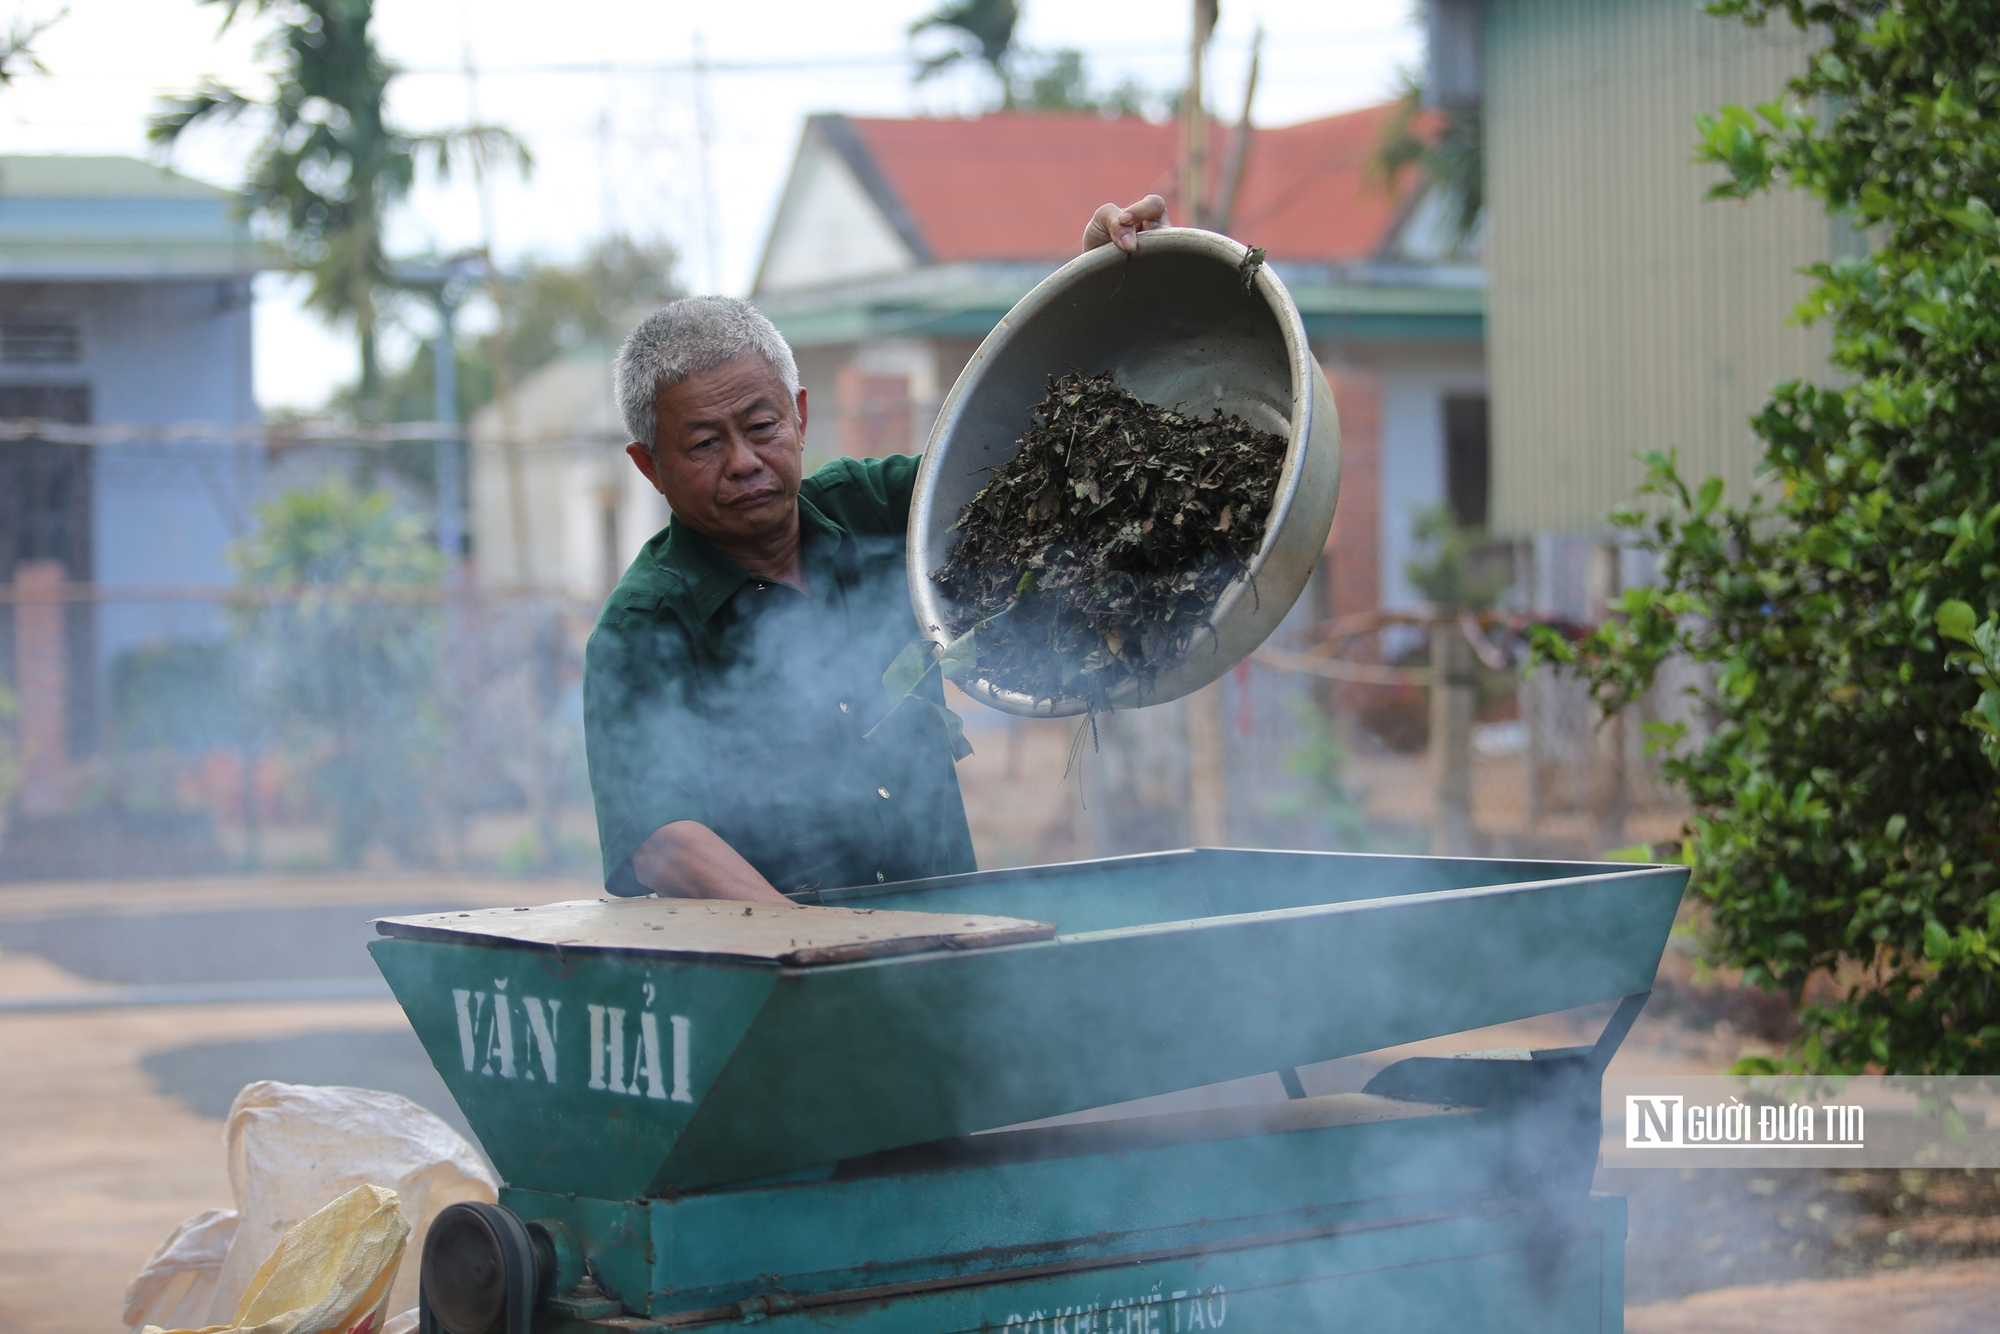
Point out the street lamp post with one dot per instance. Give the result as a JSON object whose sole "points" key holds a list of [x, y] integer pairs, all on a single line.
{"points": [[449, 445], [446, 283]]}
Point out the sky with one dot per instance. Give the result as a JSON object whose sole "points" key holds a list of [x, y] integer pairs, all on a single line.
{"points": [[619, 119]]}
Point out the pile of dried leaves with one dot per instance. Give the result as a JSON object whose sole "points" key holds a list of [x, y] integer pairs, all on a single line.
{"points": [[1096, 555]]}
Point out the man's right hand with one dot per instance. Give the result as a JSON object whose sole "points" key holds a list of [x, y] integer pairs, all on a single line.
{"points": [[688, 860], [1112, 225]]}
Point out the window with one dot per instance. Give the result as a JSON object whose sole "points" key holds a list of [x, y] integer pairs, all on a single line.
{"points": [[45, 403], [68, 403], [40, 339], [1468, 462]]}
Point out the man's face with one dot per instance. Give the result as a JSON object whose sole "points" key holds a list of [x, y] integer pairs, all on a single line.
{"points": [[727, 452]]}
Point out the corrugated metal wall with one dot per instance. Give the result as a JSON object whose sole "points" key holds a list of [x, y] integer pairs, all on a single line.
{"points": [[1626, 312]]}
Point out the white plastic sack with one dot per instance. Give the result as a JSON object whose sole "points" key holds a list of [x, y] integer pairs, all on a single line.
{"points": [[178, 1283], [330, 1275], [292, 1149]]}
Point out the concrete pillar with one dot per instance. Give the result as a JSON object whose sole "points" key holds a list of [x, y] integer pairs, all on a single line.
{"points": [[1451, 740], [1611, 800], [41, 678], [1354, 543], [1208, 777]]}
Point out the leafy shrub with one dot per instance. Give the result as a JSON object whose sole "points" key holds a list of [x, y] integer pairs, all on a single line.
{"points": [[1844, 819], [344, 660]]}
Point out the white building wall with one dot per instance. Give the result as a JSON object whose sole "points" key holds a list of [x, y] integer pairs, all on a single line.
{"points": [[1414, 385], [556, 506], [827, 229]]}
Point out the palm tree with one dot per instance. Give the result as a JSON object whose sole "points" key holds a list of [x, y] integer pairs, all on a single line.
{"points": [[17, 55], [980, 30], [330, 166], [1446, 146]]}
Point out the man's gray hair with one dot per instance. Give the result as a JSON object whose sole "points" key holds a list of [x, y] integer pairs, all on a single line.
{"points": [[693, 335]]}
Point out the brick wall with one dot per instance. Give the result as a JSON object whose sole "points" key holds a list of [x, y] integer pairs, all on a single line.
{"points": [[872, 413], [41, 681], [1354, 547]]}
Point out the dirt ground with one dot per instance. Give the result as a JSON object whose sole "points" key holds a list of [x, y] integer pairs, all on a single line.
{"points": [[97, 1165], [1955, 1298]]}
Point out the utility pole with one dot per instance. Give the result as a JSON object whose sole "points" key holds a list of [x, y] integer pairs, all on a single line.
{"points": [[1194, 122], [445, 283], [1611, 793], [704, 125], [450, 461], [503, 352], [1229, 180]]}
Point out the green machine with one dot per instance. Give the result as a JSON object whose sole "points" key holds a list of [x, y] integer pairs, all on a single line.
{"points": [[855, 1114]]}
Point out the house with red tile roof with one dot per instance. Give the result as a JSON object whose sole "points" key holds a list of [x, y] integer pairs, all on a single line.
{"points": [[898, 244]]}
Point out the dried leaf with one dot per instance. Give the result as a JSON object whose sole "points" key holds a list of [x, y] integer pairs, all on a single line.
{"points": [[910, 667], [954, 730], [1108, 538], [960, 656]]}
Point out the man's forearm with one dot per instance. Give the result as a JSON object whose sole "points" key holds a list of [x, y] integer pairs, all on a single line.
{"points": [[689, 860]]}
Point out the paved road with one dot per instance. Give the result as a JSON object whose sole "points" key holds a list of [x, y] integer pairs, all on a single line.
{"points": [[173, 941], [211, 945]]}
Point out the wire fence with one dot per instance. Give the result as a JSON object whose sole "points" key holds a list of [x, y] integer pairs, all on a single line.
{"points": [[315, 645], [233, 647]]}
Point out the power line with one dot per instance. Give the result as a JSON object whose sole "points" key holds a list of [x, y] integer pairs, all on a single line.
{"points": [[195, 441], [876, 60]]}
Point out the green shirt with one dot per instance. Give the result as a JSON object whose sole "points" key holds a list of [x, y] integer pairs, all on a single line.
{"points": [[742, 703]]}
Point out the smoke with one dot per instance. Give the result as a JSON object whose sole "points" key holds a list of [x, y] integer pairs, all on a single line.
{"points": [[1201, 998]]}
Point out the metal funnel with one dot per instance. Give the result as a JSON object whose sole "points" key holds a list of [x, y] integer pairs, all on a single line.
{"points": [[1176, 326]]}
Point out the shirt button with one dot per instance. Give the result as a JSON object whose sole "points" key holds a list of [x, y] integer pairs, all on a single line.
{"points": [[843, 706], [882, 792]]}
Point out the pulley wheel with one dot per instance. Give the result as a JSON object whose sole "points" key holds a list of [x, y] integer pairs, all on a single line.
{"points": [[478, 1270]]}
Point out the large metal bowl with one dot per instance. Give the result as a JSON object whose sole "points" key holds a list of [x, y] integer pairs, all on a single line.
{"points": [[1174, 325]]}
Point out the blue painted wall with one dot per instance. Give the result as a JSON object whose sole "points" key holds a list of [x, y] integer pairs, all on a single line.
{"points": [[155, 353]]}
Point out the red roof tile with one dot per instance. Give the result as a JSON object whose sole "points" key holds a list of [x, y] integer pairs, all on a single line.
{"points": [[1014, 186]]}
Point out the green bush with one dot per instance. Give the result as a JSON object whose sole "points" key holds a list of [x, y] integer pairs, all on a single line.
{"points": [[175, 696], [345, 670], [1845, 817]]}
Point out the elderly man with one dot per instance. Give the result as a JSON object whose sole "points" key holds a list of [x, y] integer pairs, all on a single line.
{"points": [[739, 740]]}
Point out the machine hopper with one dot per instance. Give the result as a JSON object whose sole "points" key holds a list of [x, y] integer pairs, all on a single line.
{"points": [[636, 1048]]}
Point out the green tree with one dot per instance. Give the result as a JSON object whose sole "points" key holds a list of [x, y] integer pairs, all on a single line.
{"points": [[1447, 146], [1455, 565], [1060, 81], [981, 30], [1321, 807], [1845, 816], [552, 308], [344, 654], [17, 48], [330, 165]]}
